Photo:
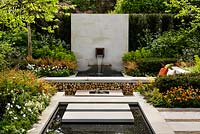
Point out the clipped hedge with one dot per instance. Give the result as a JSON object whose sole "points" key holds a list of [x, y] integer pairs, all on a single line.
{"points": [[150, 66], [165, 83], [143, 28]]}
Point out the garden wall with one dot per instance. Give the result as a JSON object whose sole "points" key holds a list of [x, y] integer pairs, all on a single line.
{"points": [[70, 88], [91, 31]]}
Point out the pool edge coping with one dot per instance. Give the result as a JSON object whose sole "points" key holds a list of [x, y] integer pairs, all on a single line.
{"points": [[156, 121]]}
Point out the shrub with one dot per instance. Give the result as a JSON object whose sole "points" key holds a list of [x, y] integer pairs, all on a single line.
{"points": [[22, 99], [5, 50], [48, 46], [51, 71], [182, 97], [148, 66], [51, 67], [196, 68], [144, 28], [177, 44], [144, 6], [165, 83], [136, 55], [150, 93]]}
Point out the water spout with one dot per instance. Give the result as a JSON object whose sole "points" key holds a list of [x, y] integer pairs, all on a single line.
{"points": [[99, 64]]}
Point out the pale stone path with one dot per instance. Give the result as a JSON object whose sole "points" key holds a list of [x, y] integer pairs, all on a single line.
{"points": [[182, 120]]}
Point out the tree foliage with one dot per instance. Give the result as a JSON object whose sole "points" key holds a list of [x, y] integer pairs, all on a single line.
{"points": [[18, 15], [139, 6], [184, 8], [15, 14]]}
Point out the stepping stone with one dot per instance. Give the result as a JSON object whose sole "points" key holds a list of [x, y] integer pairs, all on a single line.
{"points": [[85, 112], [96, 116], [97, 107]]}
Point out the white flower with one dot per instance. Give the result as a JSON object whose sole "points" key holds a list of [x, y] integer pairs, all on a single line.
{"points": [[31, 67], [29, 110], [23, 130], [18, 106], [10, 112], [8, 104], [24, 115], [15, 118]]}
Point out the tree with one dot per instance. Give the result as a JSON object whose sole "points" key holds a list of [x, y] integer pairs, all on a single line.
{"points": [[139, 6], [184, 8], [18, 15]]}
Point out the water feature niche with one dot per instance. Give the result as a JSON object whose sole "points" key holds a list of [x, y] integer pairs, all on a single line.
{"points": [[99, 69]]}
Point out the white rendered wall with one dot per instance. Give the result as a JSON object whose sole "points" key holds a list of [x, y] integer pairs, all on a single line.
{"points": [[91, 31]]}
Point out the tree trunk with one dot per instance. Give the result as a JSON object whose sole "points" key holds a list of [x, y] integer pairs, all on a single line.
{"points": [[29, 41]]}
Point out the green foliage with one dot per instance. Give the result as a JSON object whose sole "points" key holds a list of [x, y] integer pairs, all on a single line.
{"points": [[177, 44], [174, 97], [183, 8], [150, 93], [170, 44], [147, 66], [144, 28], [96, 6], [196, 68], [51, 67], [182, 97], [22, 99], [151, 66], [47, 46], [144, 6], [136, 55], [17, 13], [84, 5], [5, 49], [165, 83], [51, 71]]}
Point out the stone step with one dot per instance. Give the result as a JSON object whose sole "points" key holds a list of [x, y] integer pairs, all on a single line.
{"points": [[185, 127], [97, 107], [96, 116], [184, 116], [97, 112]]}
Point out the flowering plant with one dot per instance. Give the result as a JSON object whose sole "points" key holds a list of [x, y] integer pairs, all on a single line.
{"points": [[182, 97], [49, 70], [22, 99]]}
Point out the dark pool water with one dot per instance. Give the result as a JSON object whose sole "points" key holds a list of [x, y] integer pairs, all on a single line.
{"points": [[105, 72], [140, 125]]}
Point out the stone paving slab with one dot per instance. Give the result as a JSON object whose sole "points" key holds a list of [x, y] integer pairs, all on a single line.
{"points": [[97, 106], [181, 115], [80, 116], [185, 126]]}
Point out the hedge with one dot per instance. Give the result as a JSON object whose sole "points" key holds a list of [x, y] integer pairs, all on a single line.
{"points": [[165, 83], [150, 66], [145, 27]]}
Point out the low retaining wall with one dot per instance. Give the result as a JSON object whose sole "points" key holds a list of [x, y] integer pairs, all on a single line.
{"points": [[71, 88], [71, 84]]}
